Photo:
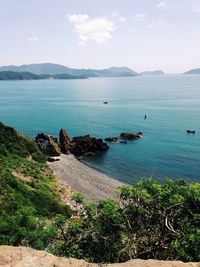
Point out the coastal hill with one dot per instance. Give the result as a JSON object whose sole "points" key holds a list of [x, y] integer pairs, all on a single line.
{"points": [[54, 69], [11, 75], [193, 71]]}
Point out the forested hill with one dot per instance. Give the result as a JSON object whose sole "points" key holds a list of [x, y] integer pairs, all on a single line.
{"points": [[11, 75], [54, 69]]}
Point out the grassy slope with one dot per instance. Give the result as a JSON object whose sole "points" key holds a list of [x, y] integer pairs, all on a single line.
{"points": [[28, 194]]}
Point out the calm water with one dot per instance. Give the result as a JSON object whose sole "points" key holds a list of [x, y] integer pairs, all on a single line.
{"points": [[172, 105]]}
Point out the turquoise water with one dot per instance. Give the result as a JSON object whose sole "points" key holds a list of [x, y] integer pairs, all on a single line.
{"points": [[172, 105]]}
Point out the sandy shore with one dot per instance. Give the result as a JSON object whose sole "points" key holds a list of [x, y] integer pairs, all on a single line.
{"points": [[91, 183]]}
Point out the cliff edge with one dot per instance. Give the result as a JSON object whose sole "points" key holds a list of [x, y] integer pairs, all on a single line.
{"points": [[28, 257]]}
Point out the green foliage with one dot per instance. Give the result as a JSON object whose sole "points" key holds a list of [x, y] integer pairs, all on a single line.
{"points": [[11, 142], [29, 200], [78, 197], [150, 220], [23, 228]]}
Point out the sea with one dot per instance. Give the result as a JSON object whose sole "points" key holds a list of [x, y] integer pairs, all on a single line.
{"points": [[170, 102]]}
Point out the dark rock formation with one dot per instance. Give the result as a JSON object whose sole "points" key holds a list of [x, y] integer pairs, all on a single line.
{"points": [[48, 144], [81, 145], [130, 136], [84, 145], [65, 143]]}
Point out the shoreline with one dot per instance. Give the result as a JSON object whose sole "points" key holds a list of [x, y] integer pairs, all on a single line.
{"points": [[93, 184]]}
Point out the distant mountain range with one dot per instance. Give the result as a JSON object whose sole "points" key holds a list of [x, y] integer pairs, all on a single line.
{"points": [[193, 71], [50, 70], [55, 69]]}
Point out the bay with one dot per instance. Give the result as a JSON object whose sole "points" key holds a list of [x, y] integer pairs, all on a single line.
{"points": [[171, 103]]}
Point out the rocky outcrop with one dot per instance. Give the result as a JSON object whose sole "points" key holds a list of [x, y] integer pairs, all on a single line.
{"points": [[65, 142], [86, 145], [48, 144], [124, 137], [130, 136], [81, 145], [28, 257]]}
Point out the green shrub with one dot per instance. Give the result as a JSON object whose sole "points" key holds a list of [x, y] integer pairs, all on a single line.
{"points": [[150, 220], [78, 197]]}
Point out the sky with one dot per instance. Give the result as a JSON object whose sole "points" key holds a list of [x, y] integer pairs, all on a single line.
{"points": [[140, 34]]}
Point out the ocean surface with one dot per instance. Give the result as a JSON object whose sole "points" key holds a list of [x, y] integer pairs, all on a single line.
{"points": [[172, 105]]}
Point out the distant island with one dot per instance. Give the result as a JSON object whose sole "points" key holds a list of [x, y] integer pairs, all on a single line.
{"points": [[155, 72], [193, 71], [11, 75], [56, 71]]}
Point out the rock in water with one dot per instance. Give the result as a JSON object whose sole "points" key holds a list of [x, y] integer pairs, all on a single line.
{"points": [[130, 136], [85, 145], [80, 145], [65, 143]]}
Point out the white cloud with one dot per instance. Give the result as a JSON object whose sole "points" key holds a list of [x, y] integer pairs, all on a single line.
{"points": [[140, 16], [97, 30], [122, 19], [162, 4], [33, 39]]}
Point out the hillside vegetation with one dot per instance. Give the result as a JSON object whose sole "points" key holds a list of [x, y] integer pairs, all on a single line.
{"points": [[11, 75], [149, 220], [28, 195]]}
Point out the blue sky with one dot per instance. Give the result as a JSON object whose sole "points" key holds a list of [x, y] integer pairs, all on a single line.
{"points": [[140, 34]]}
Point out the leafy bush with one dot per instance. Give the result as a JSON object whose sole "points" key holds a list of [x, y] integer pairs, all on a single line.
{"points": [[150, 220], [78, 197]]}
